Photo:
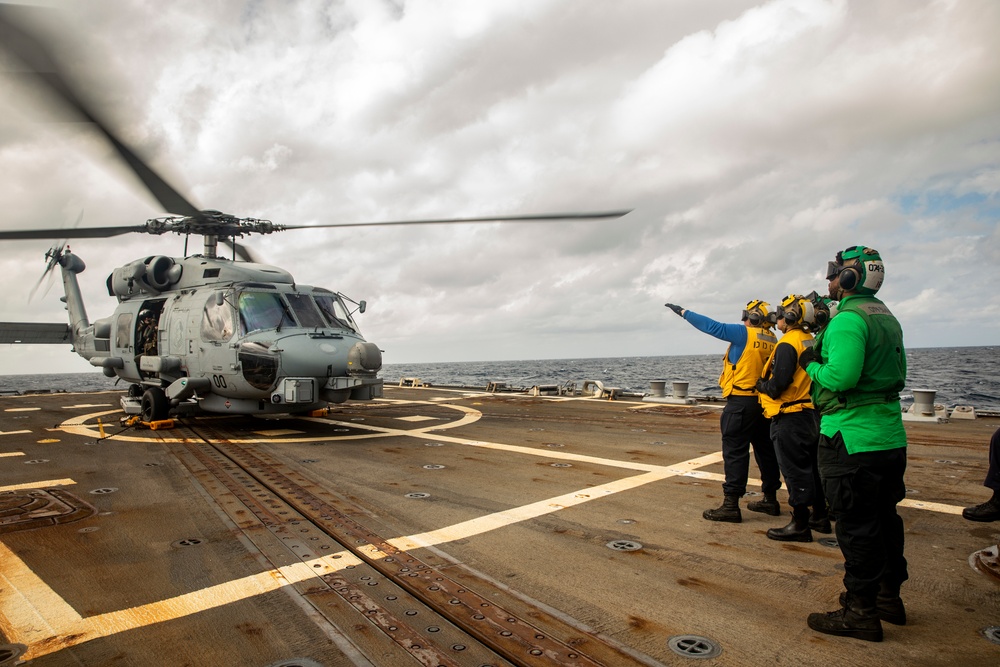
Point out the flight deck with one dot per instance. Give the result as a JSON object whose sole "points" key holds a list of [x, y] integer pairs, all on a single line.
{"points": [[448, 527]]}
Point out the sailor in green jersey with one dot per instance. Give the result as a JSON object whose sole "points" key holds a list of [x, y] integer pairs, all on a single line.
{"points": [[858, 367]]}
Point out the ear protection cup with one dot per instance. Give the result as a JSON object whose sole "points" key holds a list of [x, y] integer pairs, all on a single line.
{"points": [[850, 277], [753, 317]]}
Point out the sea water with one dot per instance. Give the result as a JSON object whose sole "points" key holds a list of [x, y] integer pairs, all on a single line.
{"points": [[960, 375]]}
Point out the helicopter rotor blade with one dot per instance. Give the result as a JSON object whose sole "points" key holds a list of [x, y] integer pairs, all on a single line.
{"points": [[542, 217], [31, 50], [83, 233], [243, 252]]}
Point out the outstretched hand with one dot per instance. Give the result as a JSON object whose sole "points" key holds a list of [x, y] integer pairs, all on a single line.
{"points": [[674, 307]]}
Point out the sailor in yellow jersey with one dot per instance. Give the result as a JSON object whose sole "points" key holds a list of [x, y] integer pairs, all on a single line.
{"points": [[784, 394], [742, 421]]}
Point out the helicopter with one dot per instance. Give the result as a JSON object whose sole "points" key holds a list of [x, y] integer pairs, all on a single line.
{"points": [[204, 332]]}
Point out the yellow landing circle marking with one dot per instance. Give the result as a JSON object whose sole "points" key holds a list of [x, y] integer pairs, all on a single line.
{"points": [[86, 405], [48, 441], [40, 484], [21, 409], [13, 432], [78, 426], [3, 454], [276, 432], [416, 418]]}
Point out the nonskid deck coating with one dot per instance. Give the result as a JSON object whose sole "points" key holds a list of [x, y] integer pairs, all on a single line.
{"points": [[531, 494]]}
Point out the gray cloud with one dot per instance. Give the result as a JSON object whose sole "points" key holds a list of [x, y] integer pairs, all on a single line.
{"points": [[753, 140]]}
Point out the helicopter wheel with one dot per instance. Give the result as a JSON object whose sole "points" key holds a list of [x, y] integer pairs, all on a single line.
{"points": [[134, 390], [155, 405]]}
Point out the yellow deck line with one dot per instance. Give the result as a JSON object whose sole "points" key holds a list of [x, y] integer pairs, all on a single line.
{"points": [[40, 484]]}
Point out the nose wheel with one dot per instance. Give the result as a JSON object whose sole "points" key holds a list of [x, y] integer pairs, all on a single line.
{"points": [[154, 406]]}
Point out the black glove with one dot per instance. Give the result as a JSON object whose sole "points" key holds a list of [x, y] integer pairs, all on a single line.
{"points": [[674, 307], [760, 386], [807, 357]]}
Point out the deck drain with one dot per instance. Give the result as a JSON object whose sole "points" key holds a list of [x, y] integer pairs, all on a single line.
{"points": [[693, 646], [638, 430], [828, 541], [33, 461], [623, 545], [433, 444], [187, 542], [341, 430], [152, 465], [561, 465], [105, 490], [992, 633], [626, 521], [554, 444], [536, 429], [751, 494], [309, 461], [418, 494], [911, 491], [433, 466], [945, 461], [657, 442], [88, 529]]}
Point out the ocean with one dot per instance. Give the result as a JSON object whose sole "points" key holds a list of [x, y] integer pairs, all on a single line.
{"points": [[960, 375]]}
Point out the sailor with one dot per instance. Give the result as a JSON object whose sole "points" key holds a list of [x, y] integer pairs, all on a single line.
{"points": [[784, 395], [742, 421], [990, 510], [858, 366], [147, 333]]}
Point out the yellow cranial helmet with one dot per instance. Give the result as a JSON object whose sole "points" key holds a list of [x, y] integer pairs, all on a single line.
{"points": [[797, 311], [757, 315]]}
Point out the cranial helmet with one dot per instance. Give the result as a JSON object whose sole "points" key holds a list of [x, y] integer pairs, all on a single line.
{"points": [[824, 308], [864, 276], [797, 311], [756, 314]]}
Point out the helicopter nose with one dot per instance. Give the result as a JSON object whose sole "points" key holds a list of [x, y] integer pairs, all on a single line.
{"points": [[364, 359]]}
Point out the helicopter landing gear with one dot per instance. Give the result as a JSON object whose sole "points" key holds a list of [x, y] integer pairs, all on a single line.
{"points": [[155, 405], [135, 391]]}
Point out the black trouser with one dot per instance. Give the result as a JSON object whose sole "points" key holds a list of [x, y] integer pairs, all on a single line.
{"points": [[863, 490], [796, 436], [993, 474], [743, 423]]}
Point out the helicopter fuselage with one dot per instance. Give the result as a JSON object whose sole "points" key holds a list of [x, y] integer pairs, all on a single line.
{"points": [[234, 337]]}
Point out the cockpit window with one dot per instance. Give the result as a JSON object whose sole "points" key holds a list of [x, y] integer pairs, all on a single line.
{"points": [[335, 312], [305, 311], [217, 321], [263, 310]]}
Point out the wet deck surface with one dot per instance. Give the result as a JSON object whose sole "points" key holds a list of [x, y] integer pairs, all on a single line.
{"points": [[236, 541]]}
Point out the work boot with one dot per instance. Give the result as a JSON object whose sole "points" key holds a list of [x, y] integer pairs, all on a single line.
{"points": [[858, 619], [988, 511], [797, 530], [888, 607], [819, 520], [728, 511], [769, 505]]}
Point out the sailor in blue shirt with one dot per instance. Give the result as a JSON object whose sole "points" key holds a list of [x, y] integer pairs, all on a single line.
{"points": [[742, 421]]}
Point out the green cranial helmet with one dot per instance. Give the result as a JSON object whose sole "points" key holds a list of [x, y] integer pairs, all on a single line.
{"points": [[863, 276]]}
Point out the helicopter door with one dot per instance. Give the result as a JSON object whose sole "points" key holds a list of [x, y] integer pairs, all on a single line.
{"points": [[217, 356], [123, 346]]}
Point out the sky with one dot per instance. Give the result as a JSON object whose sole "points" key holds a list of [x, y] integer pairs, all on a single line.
{"points": [[752, 141]]}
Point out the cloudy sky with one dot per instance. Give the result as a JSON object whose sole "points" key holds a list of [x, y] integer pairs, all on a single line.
{"points": [[752, 139]]}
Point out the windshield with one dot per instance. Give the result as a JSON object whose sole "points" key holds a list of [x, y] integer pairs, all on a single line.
{"points": [[335, 311], [305, 311], [263, 310]]}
